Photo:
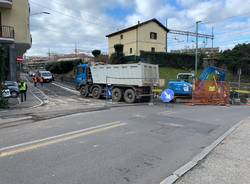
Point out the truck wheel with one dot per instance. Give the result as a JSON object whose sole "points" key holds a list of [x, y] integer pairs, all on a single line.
{"points": [[116, 94], [84, 91], [96, 92], [129, 96]]}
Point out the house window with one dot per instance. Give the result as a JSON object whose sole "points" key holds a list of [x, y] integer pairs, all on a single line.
{"points": [[130, 50], [153, 35], [152, 49], [121, 37]]}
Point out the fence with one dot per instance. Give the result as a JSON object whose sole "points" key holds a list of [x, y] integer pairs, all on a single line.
{"points": [[240, 92], [211, 92]]}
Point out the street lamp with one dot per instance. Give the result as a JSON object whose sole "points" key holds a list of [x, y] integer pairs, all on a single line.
{"points": [[38, 13], [196, 50]]}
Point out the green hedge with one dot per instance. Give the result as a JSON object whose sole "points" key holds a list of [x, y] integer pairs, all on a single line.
{"points": [[62, 66], [184, 61]]}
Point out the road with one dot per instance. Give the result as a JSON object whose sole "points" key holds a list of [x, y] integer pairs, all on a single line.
{"points": [[130, 144]]}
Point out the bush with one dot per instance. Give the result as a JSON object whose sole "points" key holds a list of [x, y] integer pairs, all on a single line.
{"points": [[118, 48], [183, 61], [96, 53], [62, 66]]}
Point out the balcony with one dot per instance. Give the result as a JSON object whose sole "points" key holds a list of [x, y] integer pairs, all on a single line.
{"points": [[7, 34], [6, 3]]}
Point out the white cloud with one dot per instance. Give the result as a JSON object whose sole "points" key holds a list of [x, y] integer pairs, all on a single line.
{"points": [[88, 21]]}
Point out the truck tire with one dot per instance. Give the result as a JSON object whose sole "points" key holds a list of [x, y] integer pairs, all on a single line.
{"points": [[129, 96], [116, 94], [84, 91], [96, 92]]}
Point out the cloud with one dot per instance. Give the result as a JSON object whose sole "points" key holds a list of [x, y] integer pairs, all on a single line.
{"points": [[86, 22]]}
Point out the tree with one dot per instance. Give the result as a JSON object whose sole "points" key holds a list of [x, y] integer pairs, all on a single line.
{"points": [[118, 56], [96, 53], [118, 48], [238, 57]]}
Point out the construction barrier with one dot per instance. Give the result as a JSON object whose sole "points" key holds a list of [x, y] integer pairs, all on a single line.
{"points": [[211, 92], [240, 93]]}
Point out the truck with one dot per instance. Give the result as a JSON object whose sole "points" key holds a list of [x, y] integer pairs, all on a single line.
{"points": [[128, 82]]}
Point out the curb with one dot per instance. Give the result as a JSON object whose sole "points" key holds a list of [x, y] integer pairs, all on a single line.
{"points": [[41, 101], [196, 159]]}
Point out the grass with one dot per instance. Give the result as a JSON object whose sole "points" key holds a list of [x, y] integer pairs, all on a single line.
{"points": [[171, 74]]}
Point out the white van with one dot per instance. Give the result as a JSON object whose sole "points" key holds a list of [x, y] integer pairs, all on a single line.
{"points": [[46, 75]]}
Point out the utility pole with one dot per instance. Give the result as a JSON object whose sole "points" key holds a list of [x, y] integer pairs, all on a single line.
{"points": [[196, 50], [212, 37], [166, 36], [49, 54], [76, 49]]}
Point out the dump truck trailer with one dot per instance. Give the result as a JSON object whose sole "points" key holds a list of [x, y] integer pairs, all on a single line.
{"points": [[128, 82]]}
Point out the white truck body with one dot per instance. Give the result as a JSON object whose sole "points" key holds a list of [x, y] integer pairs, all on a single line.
{"points": [[139, 74]]}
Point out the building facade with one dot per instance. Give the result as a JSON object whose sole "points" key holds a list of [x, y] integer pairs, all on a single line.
{"points": [[148, 36], [14, 32]]}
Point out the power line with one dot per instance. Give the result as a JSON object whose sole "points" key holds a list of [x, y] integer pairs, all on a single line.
{"points": [[221, 20], [72, 17]]}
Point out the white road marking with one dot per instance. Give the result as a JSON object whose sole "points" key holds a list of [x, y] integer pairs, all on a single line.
{"points": [[67, 89], [166, 113], [9, 120], [27, 146], [174, 125], [130, 133], [139, 116]]}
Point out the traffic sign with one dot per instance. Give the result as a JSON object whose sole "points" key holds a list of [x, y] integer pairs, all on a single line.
{"points": [[19, 59], [167, 95]]}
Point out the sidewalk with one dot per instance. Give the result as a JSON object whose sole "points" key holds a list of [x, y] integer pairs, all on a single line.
{"points": [[34, 98], [229, 163]]}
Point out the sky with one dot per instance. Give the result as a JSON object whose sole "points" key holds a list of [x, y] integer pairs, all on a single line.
{"points": [[85, 23]]}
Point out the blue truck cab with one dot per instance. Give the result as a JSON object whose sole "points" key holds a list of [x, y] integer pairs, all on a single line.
{"points": [[81, 75]]}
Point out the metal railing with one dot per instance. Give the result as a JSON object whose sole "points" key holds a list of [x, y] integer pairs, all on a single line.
{"points": [[6, 3], [7, 32]]}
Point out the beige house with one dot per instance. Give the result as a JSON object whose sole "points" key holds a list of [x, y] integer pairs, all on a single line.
{"points": [[14, 31], [146, 36]]}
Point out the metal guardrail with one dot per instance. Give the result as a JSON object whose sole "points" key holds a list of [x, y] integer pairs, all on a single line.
{"points": [[7, 32]]}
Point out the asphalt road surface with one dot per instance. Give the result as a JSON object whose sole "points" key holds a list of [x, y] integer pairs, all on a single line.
{"points": [[131, 144]]}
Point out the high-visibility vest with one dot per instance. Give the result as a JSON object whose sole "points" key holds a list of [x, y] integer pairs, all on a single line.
{"points": [[23, 86]]}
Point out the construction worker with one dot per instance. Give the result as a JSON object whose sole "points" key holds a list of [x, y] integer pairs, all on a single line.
{"points": [[41, 80], [35, 80], [23, 87]]}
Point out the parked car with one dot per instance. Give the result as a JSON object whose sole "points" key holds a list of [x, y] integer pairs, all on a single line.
{"points": [[46, 75], [31, 73], [6, 93], [13, 87]]}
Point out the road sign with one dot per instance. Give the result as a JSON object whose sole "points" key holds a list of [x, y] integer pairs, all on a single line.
{"points": [[167, 95], [109, 92], [19, 59]]}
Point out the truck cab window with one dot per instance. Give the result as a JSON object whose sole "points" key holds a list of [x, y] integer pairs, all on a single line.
{"points": [[80, 70]]}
